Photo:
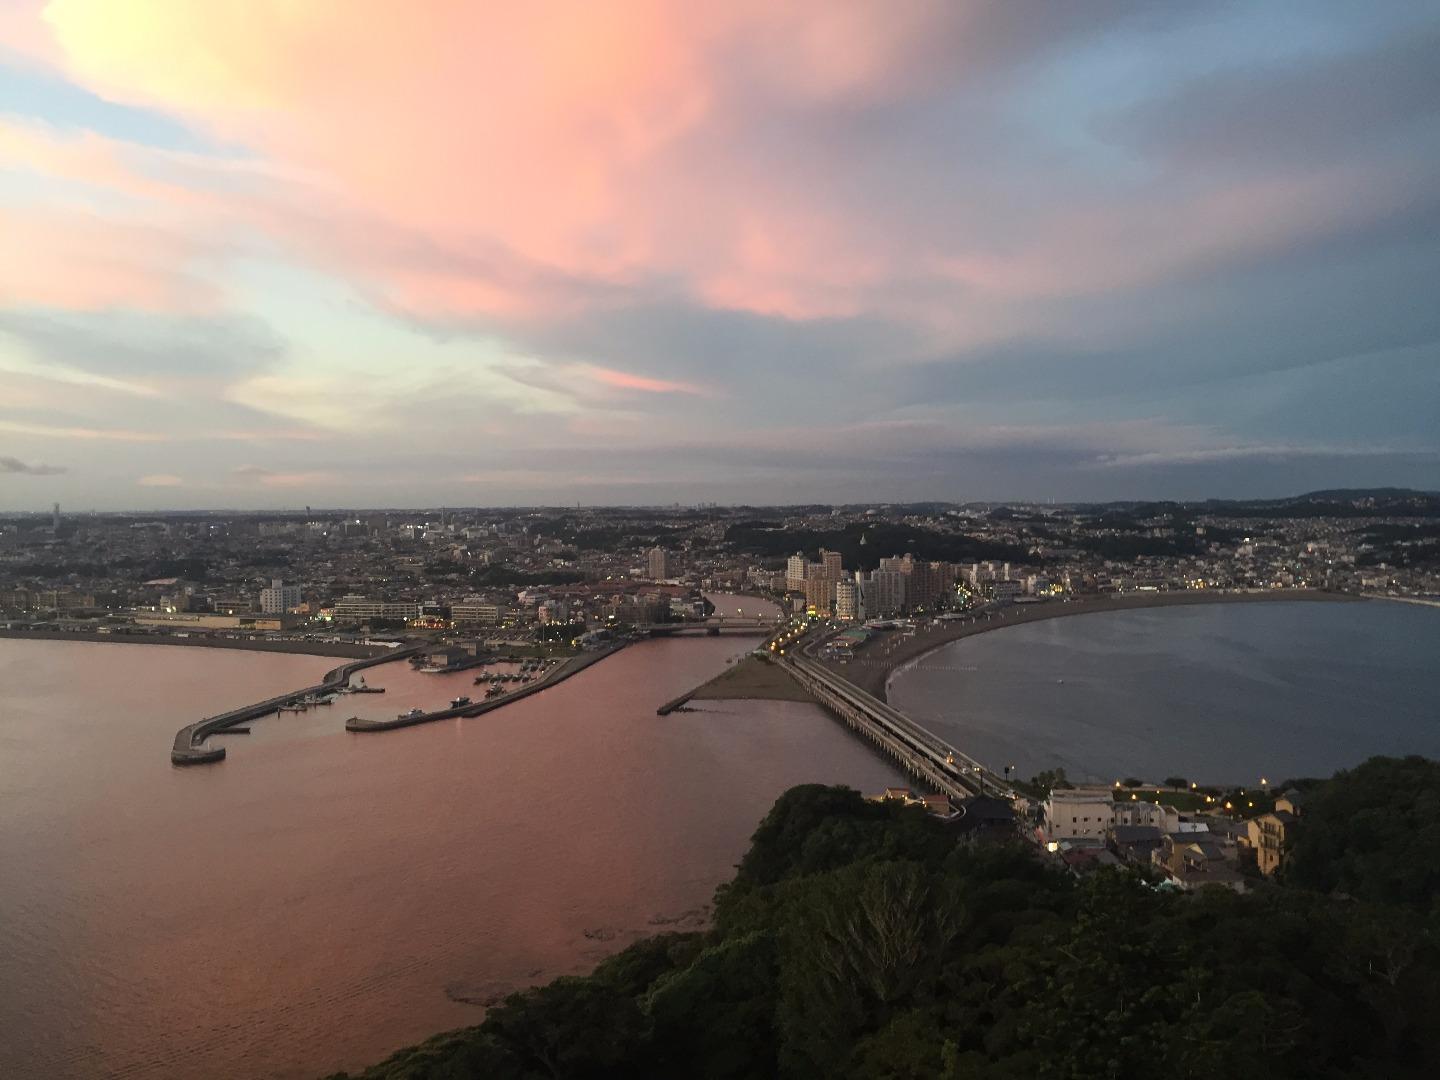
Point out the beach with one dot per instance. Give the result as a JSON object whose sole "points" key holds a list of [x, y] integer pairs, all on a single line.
{"points": [[750, 679]]}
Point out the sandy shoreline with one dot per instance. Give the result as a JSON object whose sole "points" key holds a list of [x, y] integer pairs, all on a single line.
{"points": [[873, 667], [751, 679]]}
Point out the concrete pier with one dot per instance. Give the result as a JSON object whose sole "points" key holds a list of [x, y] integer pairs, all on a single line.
{"points": [[189, 747], [676, 703], [476, 708]]}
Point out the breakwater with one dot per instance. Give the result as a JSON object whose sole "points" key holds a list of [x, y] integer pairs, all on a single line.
{"points": [[189, 747], [476, 708]]}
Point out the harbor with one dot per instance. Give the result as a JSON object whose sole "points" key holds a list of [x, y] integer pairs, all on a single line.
{"points": [[465, 708], [192, 748]]}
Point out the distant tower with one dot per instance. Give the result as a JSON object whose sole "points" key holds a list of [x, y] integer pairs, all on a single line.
{"points": [[55, 518]]}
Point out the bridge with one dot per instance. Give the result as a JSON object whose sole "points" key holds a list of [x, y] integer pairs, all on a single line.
{"points": [[737, 624], [917, 750]]}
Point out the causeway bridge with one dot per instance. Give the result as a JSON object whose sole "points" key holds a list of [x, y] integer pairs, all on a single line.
{"points": [[190, 748], [919, 751]]}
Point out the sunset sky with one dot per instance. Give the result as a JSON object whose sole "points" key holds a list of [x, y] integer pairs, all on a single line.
{"points": [[349, 252]]}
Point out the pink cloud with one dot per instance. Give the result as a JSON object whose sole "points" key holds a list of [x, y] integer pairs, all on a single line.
{"points": [[547, 135], [280, 479], [623, 380], [72, 258], [528, 160]]}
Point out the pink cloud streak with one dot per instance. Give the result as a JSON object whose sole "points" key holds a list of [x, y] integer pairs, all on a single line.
{"points": [[623, 380]]}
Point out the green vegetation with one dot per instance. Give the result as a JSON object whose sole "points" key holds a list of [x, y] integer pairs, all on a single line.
{"points": [[497, 576], [862, 940], [881, 539], [563, 633], [1040, 786], [1374, 833]]}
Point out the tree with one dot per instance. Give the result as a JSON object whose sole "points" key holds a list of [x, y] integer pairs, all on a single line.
{"points": [[859, 940], [867, 942], [1373, 832], [572, 1028]]}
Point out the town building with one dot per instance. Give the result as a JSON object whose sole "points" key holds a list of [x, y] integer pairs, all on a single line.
{"points": [[1078, 813], [1193, 860], [795, 573], [477, 611], [355, 608], [279, 597], [818, 593], [884, 593], [1268, 835]]}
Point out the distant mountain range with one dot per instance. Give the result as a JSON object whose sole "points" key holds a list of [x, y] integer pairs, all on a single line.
{"points": [[1334, 502]]}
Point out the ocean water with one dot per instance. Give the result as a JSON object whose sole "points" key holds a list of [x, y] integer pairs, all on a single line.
{"points": [[320, 898], [1216, 693]]}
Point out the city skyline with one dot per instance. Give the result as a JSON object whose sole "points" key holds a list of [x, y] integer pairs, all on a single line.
{"points": [[333, 254]]}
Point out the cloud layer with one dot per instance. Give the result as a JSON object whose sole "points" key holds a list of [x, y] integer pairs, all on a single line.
{"points": [[663, 251]]}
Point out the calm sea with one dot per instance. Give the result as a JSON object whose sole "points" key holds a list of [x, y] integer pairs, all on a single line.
{"points": [[1222, 693], [320, 898]]}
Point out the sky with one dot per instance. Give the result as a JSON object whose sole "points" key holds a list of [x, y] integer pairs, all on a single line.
{"points": [[276, 253]]}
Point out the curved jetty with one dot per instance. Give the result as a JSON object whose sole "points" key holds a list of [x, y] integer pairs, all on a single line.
{"points": [[190, 748], [475, 708]]}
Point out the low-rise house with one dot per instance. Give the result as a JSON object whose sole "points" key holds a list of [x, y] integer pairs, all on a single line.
{"points": [[1268, 836], [938, 804], [1194, 860], [1138, 812], [1134, 843], [985, 817]]}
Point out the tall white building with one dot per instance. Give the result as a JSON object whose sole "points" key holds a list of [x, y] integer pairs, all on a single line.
{"points": [[795, 573], [659, 564], [884, 594], [279, 597], [848, 603]]}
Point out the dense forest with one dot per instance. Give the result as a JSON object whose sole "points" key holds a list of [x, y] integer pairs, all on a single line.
{"points": [[865, 940], [863, 545]]}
